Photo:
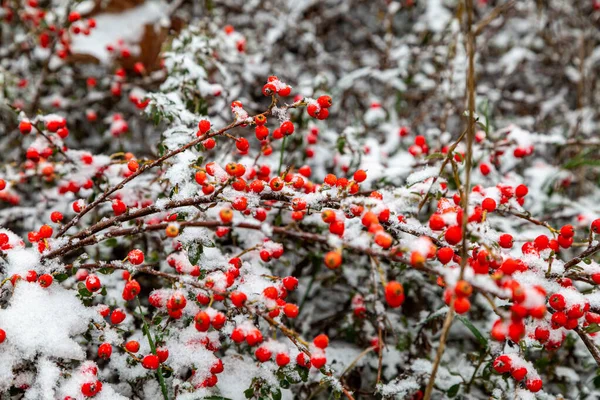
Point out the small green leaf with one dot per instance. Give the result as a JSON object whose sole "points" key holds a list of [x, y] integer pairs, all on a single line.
{"points": [[341, 143], [303, 372], [195, 250], [453, 391], [277, 394], [435, 156], [284, 383], [112, 242], [592, 328], [61, 277]]}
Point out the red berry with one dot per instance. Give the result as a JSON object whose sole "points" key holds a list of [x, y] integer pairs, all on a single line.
{"points": [[521, 191], [105, 350], [162, 353], [45, 280], [333, 259], [436, 222], [505, 241], [74, 16], [131, 290], [118, 207], [533, 385], [209, 143], [242, 144], [276, 184], [238, 298], [132, 346], [502, 364], [324, 101], [489, 204], [204, 126], [290, 283], [151, 361], [263, 354], [31, 276], [394, 294], [285, 91], [92, 283], [117, 316], [202, 320], [318, 360], [557, 302], [596, 226], [291, 310], [445, 255], [567, 231], [25, 127], [453, 235], [136, 257], [287, 128], [462, 305], [519, 373], [282, 359], [321, 341], [56, 217], [217, 367], [90, 389]]}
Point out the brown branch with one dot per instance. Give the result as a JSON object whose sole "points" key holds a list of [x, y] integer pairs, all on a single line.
{"points": [[495, 13], [593, 349], [53, 145], [530, 219], [588, 252], [158, 162]]}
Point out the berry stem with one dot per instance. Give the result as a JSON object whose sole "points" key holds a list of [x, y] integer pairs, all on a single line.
{"points": [[161, 379], [283, 142]]}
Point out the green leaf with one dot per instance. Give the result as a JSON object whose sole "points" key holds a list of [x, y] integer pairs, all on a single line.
{"points": [[61, 277], [83, 292], [592, 328], [112, 242], [303, 372], [106, 271], [284, 384], [195, 250], [475, 331], [277, 394], [453, 391], [341, 143], [435, 156]]}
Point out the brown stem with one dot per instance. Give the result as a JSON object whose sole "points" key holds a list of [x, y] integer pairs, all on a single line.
{"points": [[593, 349], [158, 162], [465, 192]]}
